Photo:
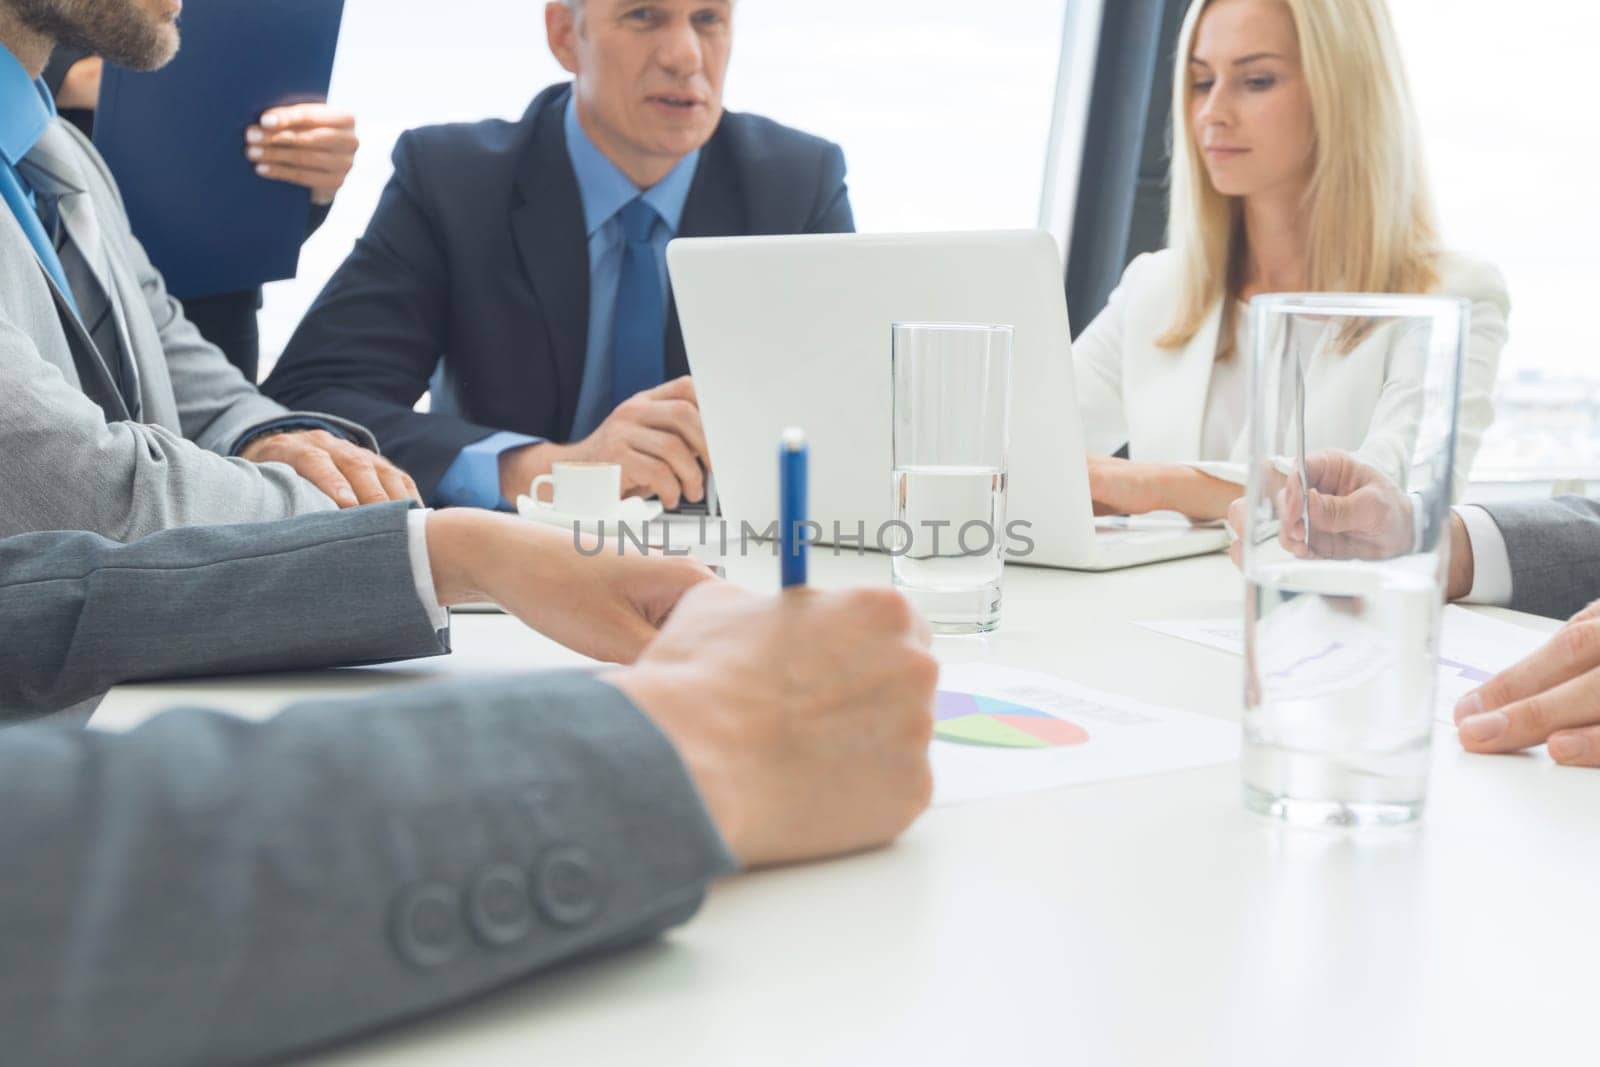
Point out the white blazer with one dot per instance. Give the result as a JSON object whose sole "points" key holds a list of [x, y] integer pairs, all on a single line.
{"points": [[1133, 392]]}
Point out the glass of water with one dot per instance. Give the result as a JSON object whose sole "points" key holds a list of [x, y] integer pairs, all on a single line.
{"points": [[952, 407], [1345, 581]]}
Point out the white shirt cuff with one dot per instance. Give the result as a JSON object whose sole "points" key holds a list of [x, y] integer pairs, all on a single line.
{"points": [[1491, 563], [422, 570]]}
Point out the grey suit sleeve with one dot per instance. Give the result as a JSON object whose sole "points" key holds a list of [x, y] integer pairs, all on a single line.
{"points": [[208, 891], [1554, 547], [79, 614], [64, 467], [217, 406]]}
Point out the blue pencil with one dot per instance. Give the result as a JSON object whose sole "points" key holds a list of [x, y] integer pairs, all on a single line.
{"points": [[793, 455]]}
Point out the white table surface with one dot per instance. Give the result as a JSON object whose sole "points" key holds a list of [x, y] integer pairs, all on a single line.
{"points": [[1145, 921]]}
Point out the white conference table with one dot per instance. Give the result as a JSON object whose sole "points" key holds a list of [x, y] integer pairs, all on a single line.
{"points": [[1142, 921]]}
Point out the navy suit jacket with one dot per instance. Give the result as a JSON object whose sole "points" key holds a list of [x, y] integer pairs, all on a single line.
{"points": [[478, 256]]}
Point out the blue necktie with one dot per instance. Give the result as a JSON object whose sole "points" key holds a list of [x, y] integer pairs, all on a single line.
{"points": [[18, 200], [638, 344]]}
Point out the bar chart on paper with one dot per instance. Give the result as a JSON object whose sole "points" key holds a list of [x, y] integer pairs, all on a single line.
{"points": [[971, 719]]}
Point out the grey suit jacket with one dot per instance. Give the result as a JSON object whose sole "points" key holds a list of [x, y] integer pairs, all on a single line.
{"points": [[1554, 547], [69, 456], [205, 890]]}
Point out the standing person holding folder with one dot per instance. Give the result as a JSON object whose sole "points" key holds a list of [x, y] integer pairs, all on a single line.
{"points": [[311, 145]]}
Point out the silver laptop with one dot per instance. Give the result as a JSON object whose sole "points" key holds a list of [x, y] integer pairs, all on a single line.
{"points": [[794, 331]]}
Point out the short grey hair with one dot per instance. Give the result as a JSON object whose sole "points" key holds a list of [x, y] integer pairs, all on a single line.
{"points": [[577, 5]]}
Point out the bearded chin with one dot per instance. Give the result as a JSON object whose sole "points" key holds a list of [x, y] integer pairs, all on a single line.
{"points": [[118, 31]]}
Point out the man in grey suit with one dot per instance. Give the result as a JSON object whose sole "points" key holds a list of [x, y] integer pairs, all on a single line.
{"points": [[1540, 556], [206, 890], [115, 415]]}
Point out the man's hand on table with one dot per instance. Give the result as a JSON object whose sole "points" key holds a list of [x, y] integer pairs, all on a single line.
{"points": [[804, 719], [1552, 696], [1356, 512], [656, 436], [349, 474], [606, 606]]}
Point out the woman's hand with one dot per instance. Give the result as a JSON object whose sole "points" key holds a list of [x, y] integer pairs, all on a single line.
{"points": [[1119, 487], [1122, 487]]}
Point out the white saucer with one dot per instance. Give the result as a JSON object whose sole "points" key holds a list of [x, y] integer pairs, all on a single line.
{"points": [[632, 512]]}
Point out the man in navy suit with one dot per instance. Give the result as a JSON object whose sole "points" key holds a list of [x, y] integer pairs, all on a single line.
{"points": [[519, 269]]}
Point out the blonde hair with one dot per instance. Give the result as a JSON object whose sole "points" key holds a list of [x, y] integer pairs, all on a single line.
{"points": [[1372, 227]]}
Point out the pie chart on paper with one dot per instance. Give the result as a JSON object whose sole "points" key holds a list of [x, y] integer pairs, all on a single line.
{"points": [[969, 719]]}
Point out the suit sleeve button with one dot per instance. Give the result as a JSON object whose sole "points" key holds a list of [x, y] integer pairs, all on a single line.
{"points": [[498, 906], [426, 925], [567, 886]]}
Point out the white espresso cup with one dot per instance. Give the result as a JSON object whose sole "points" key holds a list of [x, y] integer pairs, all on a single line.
{"points": [[581, 490]]}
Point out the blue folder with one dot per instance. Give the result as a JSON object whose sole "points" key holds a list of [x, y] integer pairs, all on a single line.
{"points": [[174, 138]]}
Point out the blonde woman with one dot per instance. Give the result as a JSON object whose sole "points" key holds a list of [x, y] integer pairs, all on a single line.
{"points": [[1296, 168]]}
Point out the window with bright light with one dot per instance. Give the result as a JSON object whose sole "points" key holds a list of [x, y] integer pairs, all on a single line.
{"points": [[942, 106], [1506, 95]]}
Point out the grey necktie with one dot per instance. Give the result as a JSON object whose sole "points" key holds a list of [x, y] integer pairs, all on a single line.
{"points": [[69, 217]]}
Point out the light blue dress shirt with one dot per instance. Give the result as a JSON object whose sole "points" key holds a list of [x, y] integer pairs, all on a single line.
{"points": [[26, 108], [473, 480]]}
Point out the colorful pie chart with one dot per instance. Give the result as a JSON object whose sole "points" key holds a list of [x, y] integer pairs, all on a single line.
{"points": [[969, 719]]}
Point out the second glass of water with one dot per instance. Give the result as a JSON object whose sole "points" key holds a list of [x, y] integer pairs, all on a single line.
{"points": [[952, 409]]}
